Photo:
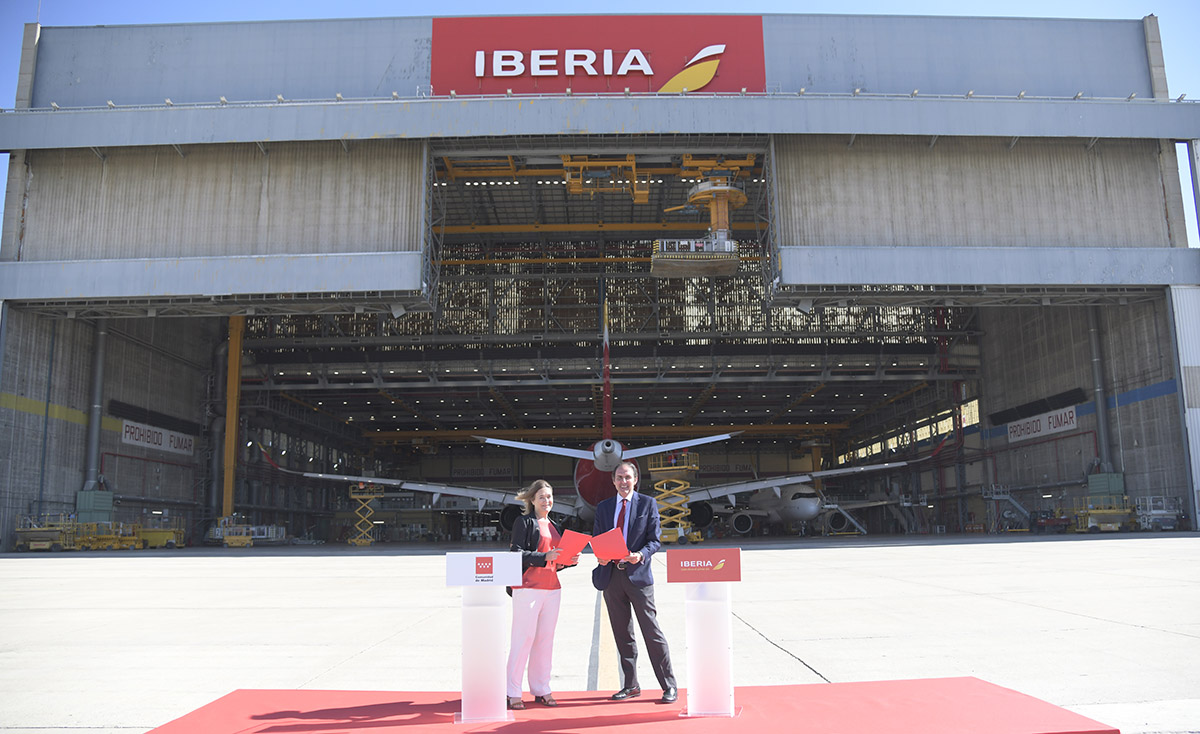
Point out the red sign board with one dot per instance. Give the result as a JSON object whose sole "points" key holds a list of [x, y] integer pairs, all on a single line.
{"points": [[597, 54], [704, 564], [483, 565]]}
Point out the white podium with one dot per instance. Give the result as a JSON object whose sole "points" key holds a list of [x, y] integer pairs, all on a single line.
{"points": [[708, 617], [485, 631]]}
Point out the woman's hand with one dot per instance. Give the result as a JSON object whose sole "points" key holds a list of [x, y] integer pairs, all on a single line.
{"points": [[551, 554]]}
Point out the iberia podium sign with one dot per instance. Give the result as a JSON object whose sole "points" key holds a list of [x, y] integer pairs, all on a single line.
{"points": [[699, 565], [598, 54]]}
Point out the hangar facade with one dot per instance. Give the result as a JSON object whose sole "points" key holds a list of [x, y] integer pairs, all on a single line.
{"points": [[363, 243]]}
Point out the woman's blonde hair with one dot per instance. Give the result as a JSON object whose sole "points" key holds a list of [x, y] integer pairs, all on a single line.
{"points": [[526, 495]]}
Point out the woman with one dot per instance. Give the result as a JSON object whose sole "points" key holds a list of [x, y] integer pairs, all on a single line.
{"points": [[536, 600]]}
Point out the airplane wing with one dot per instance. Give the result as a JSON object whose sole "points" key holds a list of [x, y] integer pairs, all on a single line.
{"points": [[556, 450], [858, 469], [481, 495], [664, 448], [726, 491]]}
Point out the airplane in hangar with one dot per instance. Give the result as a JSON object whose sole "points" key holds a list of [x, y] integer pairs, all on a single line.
{"points": [[780, 499]]}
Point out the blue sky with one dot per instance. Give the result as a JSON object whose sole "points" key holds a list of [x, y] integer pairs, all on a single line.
{"points": [[1179, 21]]}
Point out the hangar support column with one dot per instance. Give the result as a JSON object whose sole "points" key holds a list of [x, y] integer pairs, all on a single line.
{"points": [[1098, 389], [91, 472], [1167, 160], [1185, 320], [233, 397]]}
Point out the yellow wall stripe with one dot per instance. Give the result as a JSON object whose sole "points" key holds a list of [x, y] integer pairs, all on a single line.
{"points": [[57, 412]]}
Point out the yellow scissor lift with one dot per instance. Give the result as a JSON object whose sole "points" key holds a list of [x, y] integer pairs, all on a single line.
{"points": [[672, 474], [364, 493]]}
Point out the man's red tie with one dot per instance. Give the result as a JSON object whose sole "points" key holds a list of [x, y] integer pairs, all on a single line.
{"points": [[621, 516]]}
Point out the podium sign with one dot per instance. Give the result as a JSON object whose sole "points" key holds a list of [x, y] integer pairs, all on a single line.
{"points": [[483, 569], [708, 617], [483, 576], [700, 565]]}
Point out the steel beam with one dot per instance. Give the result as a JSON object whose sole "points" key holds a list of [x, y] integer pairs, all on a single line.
{"points": [[441, 117]]}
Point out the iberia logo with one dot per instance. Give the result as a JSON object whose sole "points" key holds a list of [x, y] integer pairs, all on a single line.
{"points": [[483, 565], [597, 54], [704, 564], [698, 72]]}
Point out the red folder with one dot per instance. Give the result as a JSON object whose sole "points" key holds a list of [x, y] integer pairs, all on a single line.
{"points": [[610, 546], [571, 544]]}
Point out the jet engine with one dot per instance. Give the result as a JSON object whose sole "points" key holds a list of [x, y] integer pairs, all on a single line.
{"points": [[508, 517], [836, 522], [742, 523], [701, 514]]}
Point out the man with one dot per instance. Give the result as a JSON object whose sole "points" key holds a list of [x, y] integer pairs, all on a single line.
{"points": [[628, 584]]}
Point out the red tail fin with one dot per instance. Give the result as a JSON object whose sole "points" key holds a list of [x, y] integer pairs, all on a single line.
{"points": [[607, 425]]}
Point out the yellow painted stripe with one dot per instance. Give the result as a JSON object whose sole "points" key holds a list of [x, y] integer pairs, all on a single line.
{"points": [[57, 412]]}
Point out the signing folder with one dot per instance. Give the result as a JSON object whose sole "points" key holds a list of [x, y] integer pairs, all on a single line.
{"points": [[571, 544], [610, 546]]}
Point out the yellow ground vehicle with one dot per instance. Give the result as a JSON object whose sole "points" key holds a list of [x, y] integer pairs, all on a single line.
{"points": [[48, 532], [107, 536], [672, 474], [168, 534], [236, 536], [1104, 514]]}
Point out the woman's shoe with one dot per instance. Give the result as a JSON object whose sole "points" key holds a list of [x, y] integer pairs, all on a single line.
{"points": [[546, 700], [515, 703]]}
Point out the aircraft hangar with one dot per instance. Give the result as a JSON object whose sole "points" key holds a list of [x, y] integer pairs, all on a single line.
{"points": [[235, 252]]}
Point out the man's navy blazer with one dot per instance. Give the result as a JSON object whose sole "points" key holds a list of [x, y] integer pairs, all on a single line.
{"points": [[642, 538]]}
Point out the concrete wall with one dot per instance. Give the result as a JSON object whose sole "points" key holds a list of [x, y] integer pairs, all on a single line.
{"points": [[223, 200], [241, 61], [990, 56], [82, 66], [159, 365], [1033, 353], [902, 191]]}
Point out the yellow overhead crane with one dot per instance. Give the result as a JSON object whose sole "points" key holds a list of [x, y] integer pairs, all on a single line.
{"points": [[586, 174], [717, 190]]}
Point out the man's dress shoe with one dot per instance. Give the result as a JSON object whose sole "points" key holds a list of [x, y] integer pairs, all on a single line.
{"points": [[625, 693], [670, 695]]}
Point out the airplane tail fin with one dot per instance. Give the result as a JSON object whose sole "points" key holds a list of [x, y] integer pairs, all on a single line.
{"points": [[267, 455], [937, 449], [607, 382]]}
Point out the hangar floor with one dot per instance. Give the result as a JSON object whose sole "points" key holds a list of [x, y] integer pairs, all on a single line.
{"points": [[117, 643]]}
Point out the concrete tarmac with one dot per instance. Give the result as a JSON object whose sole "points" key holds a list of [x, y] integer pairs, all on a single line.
{"points": [[125, 641]]}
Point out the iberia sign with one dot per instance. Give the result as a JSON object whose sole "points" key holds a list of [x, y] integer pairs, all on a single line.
{"points": [[590, 54], [694, 565]]}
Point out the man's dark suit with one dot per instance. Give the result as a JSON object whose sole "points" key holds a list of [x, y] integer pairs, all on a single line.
{"points": [[630, 591]]}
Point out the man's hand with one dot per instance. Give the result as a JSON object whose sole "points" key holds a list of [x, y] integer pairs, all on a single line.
{"points": [[602, 561], [632, 558]]}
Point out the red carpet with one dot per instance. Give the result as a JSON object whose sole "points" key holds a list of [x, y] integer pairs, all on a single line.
{"points": [[933, 706]]}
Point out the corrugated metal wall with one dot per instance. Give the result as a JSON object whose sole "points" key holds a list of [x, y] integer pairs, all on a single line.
{"points": [[298, 198], [1185, 307], [903, 191]]}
